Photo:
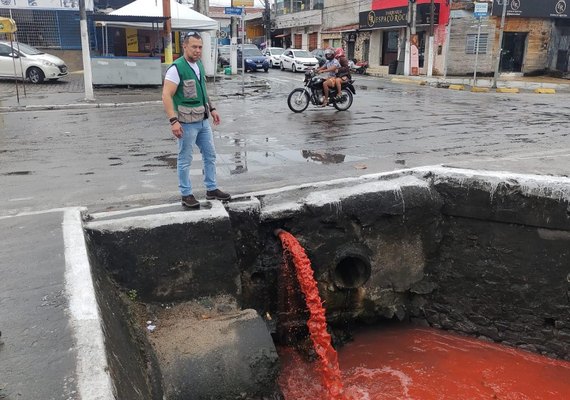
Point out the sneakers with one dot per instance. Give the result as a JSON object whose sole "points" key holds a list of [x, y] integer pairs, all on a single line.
{"points": [[217, 195], [190, 201]]}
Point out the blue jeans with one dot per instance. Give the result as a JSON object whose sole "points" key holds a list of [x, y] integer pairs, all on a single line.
{"points": [[199, 134]]}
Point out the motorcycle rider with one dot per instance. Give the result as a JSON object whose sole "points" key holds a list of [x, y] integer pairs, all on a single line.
{"points": [[330, 67], [342, 72]]}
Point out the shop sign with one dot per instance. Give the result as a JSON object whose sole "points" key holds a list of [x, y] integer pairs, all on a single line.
{"points": [[46, 4], [532, 8], [396, 17]]}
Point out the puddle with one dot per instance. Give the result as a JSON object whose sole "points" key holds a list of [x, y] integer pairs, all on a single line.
{"points": [[17, 173]]}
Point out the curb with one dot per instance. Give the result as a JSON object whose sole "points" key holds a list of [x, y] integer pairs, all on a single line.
{"points": [[408, 80], [456, 87], [545, 91], [478, 89], [508, 90], [76, 106]]}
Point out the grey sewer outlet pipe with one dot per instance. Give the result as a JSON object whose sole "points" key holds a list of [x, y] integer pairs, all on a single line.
{"points": [[352, 268]]}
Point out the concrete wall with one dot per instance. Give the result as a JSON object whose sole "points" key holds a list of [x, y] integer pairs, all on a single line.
{"points": [[471, 251], [502, 270], [460, 63]]}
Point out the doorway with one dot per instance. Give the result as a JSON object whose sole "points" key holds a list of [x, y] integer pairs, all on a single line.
{"points": [[389, 48], [512, 57]]}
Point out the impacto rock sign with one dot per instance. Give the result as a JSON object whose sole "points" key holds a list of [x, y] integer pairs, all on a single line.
{"points": [[242, 3]]}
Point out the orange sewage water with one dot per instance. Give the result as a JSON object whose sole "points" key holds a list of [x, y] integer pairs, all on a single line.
{"points": [[405, 362], [327, 365]]}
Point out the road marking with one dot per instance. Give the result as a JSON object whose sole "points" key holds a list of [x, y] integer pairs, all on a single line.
{"points": [[28, 213], [93, 379]]}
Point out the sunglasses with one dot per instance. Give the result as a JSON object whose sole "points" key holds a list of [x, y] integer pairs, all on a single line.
{"points": [[193, 34]]}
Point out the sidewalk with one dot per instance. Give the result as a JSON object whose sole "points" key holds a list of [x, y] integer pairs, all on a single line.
{"points": [[69, 92], [527, 83]]}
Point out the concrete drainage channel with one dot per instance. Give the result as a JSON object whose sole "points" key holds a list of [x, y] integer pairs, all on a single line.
{"points": [[191, 304]]}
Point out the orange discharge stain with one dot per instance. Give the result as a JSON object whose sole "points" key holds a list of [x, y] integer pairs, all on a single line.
{"points": [[406, 362], [317, 324]]}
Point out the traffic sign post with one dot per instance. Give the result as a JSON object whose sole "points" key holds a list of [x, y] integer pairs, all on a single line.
{"points": [[481, 11]]}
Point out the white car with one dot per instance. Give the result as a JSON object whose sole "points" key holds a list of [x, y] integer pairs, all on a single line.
{"points": [[298, 60], [273, 55], [36, 65]]}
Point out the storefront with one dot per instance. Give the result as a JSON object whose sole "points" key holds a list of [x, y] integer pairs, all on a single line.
{"points": [[536, 35], [386, 23]]}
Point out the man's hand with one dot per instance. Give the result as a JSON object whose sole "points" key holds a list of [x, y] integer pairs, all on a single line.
{"points": [[177, 129], [216, 117]]}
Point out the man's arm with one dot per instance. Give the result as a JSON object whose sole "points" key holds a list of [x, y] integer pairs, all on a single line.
{"points": [[214, 113], [168, 90]]}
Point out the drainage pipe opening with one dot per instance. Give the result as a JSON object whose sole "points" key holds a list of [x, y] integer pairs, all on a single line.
{"points": [[351, 272]]}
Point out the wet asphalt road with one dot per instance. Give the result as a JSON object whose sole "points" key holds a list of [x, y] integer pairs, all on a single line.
{"points": [[125, 157]]}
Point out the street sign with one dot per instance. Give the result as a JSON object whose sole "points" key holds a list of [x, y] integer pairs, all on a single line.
{"points": [[481, 10], [233, 10]]}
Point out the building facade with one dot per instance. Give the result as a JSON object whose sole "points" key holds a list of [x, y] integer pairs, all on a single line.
{"points": [[297, 24]]}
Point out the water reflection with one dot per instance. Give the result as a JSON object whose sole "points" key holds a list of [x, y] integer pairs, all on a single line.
{"points": [[239, 157], [323, 157]]}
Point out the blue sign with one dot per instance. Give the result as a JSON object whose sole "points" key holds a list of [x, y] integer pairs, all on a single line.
{"points": [[233, 10], [481, 10]]}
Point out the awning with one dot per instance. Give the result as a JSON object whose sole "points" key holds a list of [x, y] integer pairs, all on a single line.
{"points": [[340, 29]]}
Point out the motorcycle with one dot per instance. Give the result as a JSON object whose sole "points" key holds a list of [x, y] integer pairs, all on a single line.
{"points": [[312, 92], [358, 67]]}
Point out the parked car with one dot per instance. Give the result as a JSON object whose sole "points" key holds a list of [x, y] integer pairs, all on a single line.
{"points": [[223, 56], [319, 54], [273, 55], [247, 46], [298, 60], [36, 65], [253, 60]]}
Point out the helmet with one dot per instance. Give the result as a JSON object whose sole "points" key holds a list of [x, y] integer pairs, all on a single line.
{"points": [[338, 53], [329, 54]]}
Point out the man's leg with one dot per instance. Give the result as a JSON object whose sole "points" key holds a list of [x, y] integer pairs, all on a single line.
{"points": [[326, 92], [338, 82], [205, 142], [185, 146]]}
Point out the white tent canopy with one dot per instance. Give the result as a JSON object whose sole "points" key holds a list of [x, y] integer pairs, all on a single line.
{"points": [[182, 17]]}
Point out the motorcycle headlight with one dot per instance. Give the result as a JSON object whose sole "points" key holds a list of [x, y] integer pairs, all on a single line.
{"points": [[48, 63]]}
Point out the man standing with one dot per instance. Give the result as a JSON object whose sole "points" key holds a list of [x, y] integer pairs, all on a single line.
{"points": [[188, 107]]}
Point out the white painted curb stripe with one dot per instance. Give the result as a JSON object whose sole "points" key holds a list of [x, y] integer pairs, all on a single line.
{"points": [[93, 379]]}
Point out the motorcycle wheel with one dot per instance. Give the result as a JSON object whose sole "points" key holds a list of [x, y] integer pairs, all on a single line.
{"points": [[298, 100], [346, 101]]}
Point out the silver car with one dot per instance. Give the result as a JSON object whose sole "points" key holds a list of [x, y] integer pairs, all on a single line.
{"points": [[26, 61], [273, 55], [298, 60]]}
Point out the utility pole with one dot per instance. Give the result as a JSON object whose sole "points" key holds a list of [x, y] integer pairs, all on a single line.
{"points": [[87, 75], [498, 60], [430, 40], [267, 24], [167, 32]]}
